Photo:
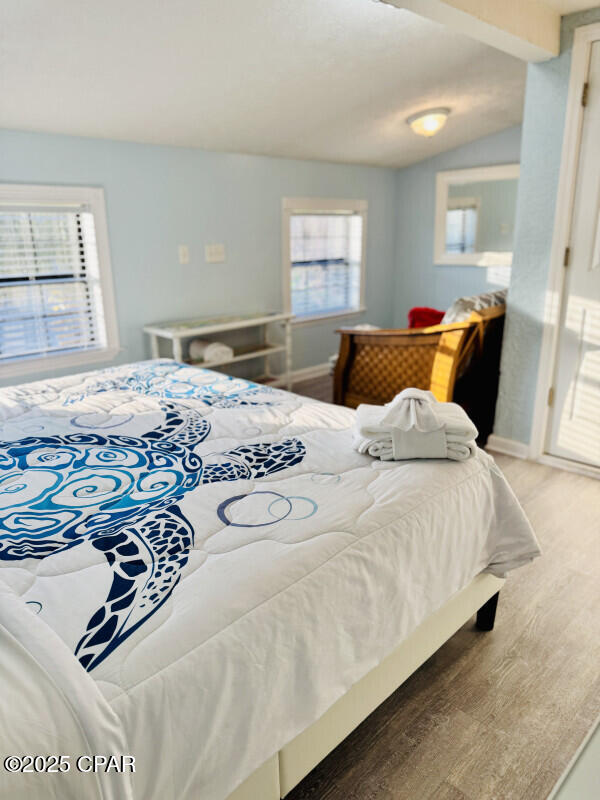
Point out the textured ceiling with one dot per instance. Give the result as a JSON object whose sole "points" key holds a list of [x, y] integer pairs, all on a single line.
{"points": [[332, 80]]}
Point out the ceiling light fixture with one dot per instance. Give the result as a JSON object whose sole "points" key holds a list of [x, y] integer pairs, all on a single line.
{"points": [[430, 122]]}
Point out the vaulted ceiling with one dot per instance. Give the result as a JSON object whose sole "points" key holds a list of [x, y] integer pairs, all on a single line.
{"points": [[320, 79]]}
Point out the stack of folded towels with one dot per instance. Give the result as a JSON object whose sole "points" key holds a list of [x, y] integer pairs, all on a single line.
{"points": [[415, 425]]}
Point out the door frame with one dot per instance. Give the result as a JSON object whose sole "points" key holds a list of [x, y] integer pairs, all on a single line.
{"points": [[555, 290]]}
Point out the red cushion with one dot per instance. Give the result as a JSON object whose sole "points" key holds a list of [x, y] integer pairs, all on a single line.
{"points": [[422, 317]]}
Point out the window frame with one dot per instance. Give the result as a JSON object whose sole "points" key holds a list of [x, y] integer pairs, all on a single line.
{"points": [[93, 197], [443, 181], [311, 205]]}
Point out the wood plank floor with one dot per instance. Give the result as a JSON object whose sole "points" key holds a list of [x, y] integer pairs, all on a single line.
{"points": [[493, 715]]}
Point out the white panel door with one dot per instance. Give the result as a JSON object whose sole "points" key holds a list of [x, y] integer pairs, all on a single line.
{"points": [[574, 430]]}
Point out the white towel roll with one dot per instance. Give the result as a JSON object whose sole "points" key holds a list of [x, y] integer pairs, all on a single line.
{"points": [[202, 350]]}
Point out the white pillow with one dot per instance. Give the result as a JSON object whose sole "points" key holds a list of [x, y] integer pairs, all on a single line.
{"points": [[460, 310]]}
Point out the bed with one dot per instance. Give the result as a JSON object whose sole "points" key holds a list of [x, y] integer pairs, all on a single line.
{"points": [[201, 573]]}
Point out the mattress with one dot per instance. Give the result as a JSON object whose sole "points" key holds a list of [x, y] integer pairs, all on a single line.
{"points": [[194, 568]]}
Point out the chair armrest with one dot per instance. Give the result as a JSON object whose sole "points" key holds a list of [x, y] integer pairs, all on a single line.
{"points": [[385, 333]]}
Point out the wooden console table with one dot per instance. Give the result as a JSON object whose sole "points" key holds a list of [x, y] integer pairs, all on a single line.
{"points": [[207, 327]]}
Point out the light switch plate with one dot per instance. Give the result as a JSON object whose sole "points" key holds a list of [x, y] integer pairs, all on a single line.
{"points": [[183, 251], [214, 253]]}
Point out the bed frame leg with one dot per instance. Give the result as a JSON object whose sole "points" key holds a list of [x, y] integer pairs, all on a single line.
{"points": [[487, 614]]}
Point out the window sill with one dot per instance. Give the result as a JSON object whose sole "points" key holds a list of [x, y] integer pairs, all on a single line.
{"points": [[300, 321], [36, 366]]}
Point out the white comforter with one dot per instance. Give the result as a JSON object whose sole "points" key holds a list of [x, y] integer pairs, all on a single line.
{"points": [[194, 568]]}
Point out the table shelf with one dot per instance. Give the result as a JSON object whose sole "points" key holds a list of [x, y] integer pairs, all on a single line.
{"points": [[239, 356], [179, 332], [190, 328]]}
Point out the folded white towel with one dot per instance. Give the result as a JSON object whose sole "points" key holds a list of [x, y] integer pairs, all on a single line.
{"points": [[202, 350], [415, 425]]}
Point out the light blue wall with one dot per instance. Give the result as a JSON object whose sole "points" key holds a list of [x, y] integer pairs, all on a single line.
{"points": [[418, 281], [159, 197], [543, 124]]}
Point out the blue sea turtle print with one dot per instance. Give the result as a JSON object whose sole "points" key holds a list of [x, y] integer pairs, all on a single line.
{"points": [[121, 493]]}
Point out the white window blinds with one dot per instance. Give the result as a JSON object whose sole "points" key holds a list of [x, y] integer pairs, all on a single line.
{"points": [[461, 225], [50, 297], [326, 254]]}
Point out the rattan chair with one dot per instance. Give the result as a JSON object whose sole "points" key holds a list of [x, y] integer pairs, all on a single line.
{"points": [[459, 362]]}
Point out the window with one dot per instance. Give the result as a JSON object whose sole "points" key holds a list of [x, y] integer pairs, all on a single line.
{"points": [[324, 246], [461, 225], [56, 300]]}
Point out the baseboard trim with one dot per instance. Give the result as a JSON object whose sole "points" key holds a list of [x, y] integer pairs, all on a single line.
{"points": [[307, 373], [569, 466], [509, 447]]}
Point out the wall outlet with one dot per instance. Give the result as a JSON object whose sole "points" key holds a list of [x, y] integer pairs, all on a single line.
{"points": [[183, 251], [214, 253]]}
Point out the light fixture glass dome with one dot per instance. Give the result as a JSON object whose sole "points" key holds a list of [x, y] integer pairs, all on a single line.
{"points": [[429, 122]]}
